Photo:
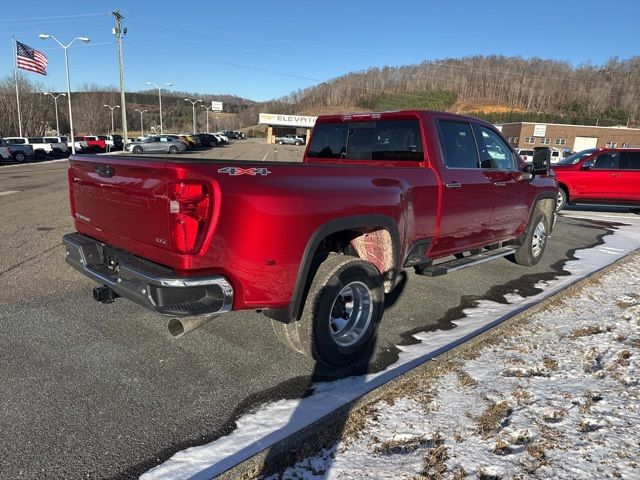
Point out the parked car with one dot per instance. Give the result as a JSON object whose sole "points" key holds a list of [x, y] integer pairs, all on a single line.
{"points": [[157, 144], [223, 139], [94, 144], [59, 148], [232, 134], [113, 142], [81, 146], [605, 176], [290, 139], [5, 154], [527, 155], [207, 140], [316, 245], [41, 148], [20, 149]]}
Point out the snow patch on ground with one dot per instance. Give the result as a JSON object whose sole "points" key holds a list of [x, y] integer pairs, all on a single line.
{"points": [[277, 420], [561, 399]]}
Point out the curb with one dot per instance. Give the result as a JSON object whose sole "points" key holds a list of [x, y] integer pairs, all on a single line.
{"points": [[325, 432]]}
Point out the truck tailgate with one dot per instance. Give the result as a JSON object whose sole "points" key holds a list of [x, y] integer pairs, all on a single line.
{"points": [[122, 201]]}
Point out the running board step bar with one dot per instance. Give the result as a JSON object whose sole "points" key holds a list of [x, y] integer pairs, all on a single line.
{"points": [[459, 263]]}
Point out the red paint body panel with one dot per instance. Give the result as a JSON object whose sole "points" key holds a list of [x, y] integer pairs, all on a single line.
{"points": [[612, 185], [262, 224]]}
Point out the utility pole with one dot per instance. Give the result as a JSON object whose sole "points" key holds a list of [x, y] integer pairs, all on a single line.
{"points": [[118, 31]]}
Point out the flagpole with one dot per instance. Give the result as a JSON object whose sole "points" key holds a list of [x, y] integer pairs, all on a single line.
{"points": [[14, 47]]}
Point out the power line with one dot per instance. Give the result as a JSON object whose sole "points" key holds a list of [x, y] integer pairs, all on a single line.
{"points": [[52, 17]]}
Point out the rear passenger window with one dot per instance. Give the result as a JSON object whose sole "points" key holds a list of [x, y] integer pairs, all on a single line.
{"points": [[630, 161], [389, 140], [458, 144], [494, 152]]}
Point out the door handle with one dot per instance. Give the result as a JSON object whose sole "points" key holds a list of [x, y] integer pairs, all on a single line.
{"points": [[453, 185], [500, 184], [615, 174]]}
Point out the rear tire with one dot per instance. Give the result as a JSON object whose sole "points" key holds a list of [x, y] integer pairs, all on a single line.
{"points": [[19, 157], [280, 142], [535, 242], [340, 317], [173, 149], [561, 202], [297, 144]]}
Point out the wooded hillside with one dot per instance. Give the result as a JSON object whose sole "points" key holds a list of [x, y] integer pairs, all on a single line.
{"points": [[493, 87]]}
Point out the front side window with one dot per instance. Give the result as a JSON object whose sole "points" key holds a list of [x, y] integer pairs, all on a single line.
{"points": [[494, 152], [458, 144], [607, 161]]}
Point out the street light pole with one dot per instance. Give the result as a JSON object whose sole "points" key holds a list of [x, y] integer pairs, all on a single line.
{"points": [[193, 106], [168, 84], [207, 109], [112, 109], [55, 101], [141, 127], [45, 36]]}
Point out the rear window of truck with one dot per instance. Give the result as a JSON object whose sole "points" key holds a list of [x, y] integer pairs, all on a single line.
{"points": [[377, 140]]}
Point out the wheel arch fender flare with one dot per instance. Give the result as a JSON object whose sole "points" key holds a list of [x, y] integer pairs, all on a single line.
{"points": [[321, 233]]}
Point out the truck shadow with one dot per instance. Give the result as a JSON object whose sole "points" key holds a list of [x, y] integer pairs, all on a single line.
{"points": [[331, 428]]}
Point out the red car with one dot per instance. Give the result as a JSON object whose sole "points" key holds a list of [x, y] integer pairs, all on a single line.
{"points": [[316, 245], [604, 176]]}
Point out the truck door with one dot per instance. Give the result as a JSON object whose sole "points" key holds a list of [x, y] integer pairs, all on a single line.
{"points": [[467, 201], [510, 193]]}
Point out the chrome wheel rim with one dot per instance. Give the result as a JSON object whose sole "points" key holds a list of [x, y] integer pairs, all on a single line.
{"points": [[559, 200], [351, 314], [539, 239]]}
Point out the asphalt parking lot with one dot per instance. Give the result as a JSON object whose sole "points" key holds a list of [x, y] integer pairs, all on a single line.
{"points": [[102, 391]]}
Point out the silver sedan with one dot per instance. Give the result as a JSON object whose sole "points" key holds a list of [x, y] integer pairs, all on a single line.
{"points": [[156, 144]]}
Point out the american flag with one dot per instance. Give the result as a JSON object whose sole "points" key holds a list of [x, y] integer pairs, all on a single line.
{"points": [[31, 59]]}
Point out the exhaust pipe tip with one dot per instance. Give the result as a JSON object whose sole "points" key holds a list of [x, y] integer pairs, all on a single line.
{"points": [[176, 329], [179, 327]]}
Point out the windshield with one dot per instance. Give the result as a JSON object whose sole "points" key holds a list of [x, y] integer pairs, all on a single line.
{"points": [[576, 157]]}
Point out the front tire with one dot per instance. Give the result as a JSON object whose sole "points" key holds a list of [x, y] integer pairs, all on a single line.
{"points": [[19, 157], [137, 149], [280, 142], [340, 317], [535, 242]]}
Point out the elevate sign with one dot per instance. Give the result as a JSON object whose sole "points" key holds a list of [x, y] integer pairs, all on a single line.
{"points": [[298, 121]]}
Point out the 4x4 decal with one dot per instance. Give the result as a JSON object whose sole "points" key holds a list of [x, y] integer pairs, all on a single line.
{"points": [[235, 171]]}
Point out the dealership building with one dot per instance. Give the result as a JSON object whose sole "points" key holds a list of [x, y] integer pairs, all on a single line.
{"points": [[574, 137], [280, 125]]}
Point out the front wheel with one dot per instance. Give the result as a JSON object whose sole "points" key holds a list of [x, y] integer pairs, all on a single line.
{"points": [[535, 242], [19, 157], [340, 317], [297, 144], [280, 142], [137, 149]]}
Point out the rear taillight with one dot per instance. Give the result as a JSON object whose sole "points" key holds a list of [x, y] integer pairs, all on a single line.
{"points": [[189, 211]]}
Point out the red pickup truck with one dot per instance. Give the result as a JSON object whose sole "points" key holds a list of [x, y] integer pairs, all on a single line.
{"points": [[94, 144], [313, 245]]}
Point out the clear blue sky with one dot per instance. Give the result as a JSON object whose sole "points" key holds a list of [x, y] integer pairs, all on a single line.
{"points": [[261, 49]]}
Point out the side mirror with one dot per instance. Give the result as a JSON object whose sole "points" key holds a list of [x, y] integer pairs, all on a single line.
{"points": [[586, 166], [541, 160], [527, 172]]}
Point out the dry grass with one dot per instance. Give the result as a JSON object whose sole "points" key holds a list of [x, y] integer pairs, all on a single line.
{"points": [[586, 331], [435, 466], [400, 446], [465, 380], [522, 396], [357, 421], [502, 448], [550, 363], [591, 398], [493, 418]]}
